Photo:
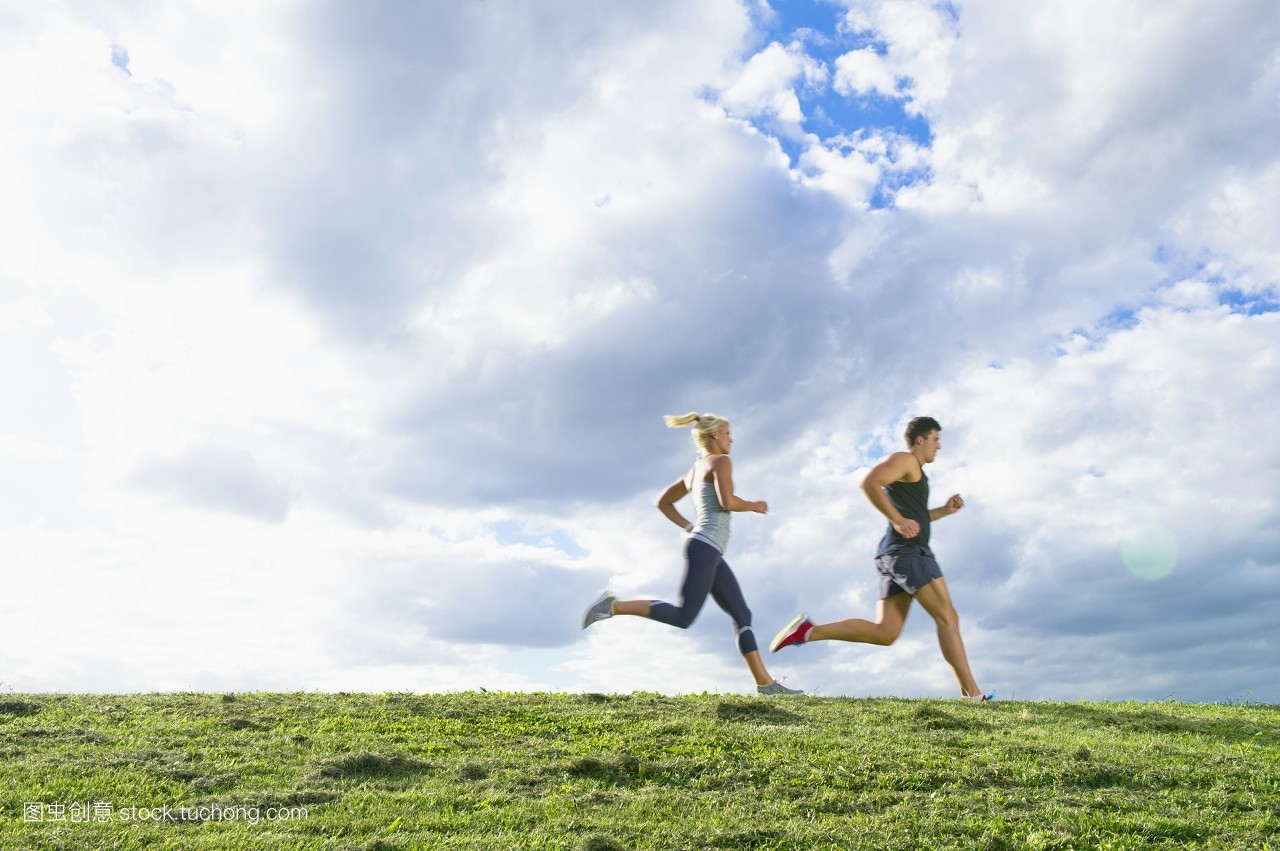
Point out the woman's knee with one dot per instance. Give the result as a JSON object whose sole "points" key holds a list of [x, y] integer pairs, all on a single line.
{"points": [[685, 618]]}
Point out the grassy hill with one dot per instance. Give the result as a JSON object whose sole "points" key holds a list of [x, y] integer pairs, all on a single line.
{"points": [[493, 771]]}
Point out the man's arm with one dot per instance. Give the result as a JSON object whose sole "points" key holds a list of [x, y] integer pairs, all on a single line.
{"points": [[948, 508], [892, 469]]}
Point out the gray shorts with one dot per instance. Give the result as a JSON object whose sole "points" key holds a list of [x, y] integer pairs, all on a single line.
{"points": [[906, 572]]}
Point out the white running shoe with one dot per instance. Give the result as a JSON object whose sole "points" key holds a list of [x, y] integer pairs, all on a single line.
{"points": [[599, 610], [775, 688]]}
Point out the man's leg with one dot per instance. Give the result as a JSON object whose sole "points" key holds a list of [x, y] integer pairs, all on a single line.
{"points": [[891, 613], [936, 600]]}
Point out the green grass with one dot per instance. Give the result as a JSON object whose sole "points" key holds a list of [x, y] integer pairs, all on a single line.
{"points": [[493, 771]]}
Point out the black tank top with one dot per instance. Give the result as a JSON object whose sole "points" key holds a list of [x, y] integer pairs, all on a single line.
{"points": [[912, 501]]}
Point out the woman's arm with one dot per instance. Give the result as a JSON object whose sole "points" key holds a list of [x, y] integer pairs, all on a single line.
{"points": [[667, 503], [722, 470]]}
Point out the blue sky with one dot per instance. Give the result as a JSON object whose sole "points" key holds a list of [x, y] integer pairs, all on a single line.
{"points": [[820, 30], [336, 341]]}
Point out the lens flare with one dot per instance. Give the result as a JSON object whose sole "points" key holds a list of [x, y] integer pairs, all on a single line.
{"points": [[1149, 552]]}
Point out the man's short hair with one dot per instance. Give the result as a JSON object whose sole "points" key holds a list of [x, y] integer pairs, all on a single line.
{"points": [[920, 427]]}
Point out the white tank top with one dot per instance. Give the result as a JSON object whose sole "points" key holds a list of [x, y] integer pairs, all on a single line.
{"points": [[711, 520]]}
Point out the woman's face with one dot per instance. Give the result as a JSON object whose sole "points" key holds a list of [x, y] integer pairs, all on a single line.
{"points": [[721, 442]]}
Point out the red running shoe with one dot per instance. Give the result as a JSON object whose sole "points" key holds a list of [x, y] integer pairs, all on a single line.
{"points": [[795, 632]]}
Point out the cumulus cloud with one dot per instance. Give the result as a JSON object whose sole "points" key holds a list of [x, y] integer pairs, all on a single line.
{"points": [[219, 477], [1116, 439], [864, 72], [539, 605], [767, 86], [918, 38], [393, 278]]}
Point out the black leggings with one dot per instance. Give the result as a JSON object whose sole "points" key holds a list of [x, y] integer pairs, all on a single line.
{"points": [[706, 572]]}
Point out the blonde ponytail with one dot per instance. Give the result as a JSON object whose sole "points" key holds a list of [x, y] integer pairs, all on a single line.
{"points": [[704, 425], [674, 421]]}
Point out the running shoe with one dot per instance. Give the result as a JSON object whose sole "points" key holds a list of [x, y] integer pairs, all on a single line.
{"points": [[776, 689], [795, 632], [599, 610], [980, 698]]}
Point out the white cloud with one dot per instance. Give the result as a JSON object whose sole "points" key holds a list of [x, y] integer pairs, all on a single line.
{"points": [[767, 84], [1070, 457], [1061, 459], [864, 71], [1075, 113], [920, 36], [220, 477], [411, 281], [1236, 224]]}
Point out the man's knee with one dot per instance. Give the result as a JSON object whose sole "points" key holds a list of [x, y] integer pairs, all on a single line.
{"points": [[888, 634], [948, 618]]}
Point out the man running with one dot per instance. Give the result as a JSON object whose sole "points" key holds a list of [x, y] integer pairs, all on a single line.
{"points": [[899, 489]]}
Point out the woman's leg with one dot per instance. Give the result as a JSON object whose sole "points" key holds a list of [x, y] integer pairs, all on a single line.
{"points": [[632, 607], [727, 593], [700, 560]]}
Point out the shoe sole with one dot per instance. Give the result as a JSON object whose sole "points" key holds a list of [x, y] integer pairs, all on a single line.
{"points": [[775, 646], [587, 619]]}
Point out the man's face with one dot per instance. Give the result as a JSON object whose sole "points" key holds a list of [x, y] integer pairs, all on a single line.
{"points": [[931, 443]]}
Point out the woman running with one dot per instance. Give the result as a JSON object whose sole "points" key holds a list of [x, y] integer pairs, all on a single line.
{"points": [[710, 480]]}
